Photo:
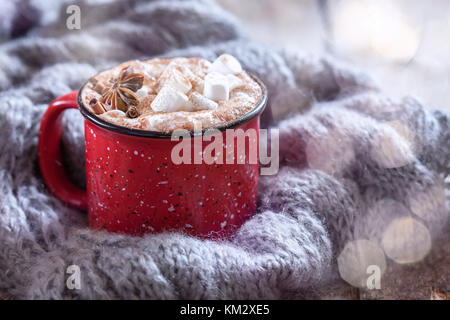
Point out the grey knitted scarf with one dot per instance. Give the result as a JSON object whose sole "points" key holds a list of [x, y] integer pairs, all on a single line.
{"points": [[353, 164]]}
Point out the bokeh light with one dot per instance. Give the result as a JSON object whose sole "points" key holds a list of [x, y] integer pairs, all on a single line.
{"points": [[330, 152], [406, 240], [389, 150], [368, 27], [404, 131], [356, 258], [430, 204], [378, 216]]}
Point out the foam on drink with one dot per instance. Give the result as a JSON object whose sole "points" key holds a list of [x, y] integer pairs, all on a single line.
{"points": [[178, 93]]}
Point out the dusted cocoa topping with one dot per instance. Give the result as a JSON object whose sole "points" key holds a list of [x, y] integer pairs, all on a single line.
{"points": [[168, 94]]}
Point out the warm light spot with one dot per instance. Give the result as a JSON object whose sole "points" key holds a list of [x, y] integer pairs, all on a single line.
{"points": [[430, 204], [389, 150], [405, 133], [378, 27], [355, 261], [372, 224], [330, 152], [406, 240]]}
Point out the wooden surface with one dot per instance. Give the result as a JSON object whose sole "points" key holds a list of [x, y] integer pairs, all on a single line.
{"points": [[404, 282], [416, 281]]}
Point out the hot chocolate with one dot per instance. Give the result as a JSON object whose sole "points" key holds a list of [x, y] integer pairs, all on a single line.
{"points": [[168, 94]]}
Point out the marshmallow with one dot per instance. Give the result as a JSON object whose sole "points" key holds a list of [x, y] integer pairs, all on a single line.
{"points": [[233, 82], [143, 92], [199, 85], [216, 87], [226, 64], [114, 114], [176, 76], [169, 99], [200, 102]]}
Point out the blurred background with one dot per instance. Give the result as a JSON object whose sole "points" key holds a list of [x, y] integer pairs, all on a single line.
{"points": [[404, 45]]}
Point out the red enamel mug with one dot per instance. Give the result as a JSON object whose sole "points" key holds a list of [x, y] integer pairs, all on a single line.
{"points": [[134, 187]]}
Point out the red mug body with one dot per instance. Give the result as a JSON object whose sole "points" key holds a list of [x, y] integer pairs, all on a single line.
{"points": [[134, 186]]}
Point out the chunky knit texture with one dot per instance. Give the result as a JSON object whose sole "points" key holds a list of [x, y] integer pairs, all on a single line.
{"points": [[345, 150]]}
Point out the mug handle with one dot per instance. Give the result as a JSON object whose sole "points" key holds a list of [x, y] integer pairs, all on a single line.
{"points": [[49, 153]]}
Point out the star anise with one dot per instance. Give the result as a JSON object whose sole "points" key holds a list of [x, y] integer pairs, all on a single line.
{"points": [[120, 92]]}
